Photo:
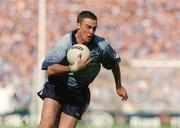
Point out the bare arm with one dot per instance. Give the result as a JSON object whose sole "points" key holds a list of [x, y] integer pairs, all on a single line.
{"points": [[117, 75], [58, 69], [121, 91]]}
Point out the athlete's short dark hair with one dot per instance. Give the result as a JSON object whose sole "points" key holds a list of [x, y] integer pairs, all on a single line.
{"points": [[86, 14]]}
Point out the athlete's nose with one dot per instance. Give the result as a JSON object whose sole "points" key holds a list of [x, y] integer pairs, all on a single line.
{"points": [[91, 31]]}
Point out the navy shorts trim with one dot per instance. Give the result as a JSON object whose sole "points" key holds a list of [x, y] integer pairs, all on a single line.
{"points": [[74, 101]]}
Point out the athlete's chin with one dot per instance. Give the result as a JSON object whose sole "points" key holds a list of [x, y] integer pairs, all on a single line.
{"points": [[88, 40]]}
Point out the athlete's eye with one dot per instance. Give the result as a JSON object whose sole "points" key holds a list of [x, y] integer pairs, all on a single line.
{"points": [[88, 27]]}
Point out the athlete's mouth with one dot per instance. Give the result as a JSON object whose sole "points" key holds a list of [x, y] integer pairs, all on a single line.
{"points": [[90, 37]]}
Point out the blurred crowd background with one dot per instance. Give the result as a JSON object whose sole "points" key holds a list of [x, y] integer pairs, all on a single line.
{"points": [[137, 29]]}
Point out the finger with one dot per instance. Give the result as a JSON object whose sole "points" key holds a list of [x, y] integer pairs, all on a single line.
{"points": [[89, 60], [125, 98], [79, 55], [78, 58]]}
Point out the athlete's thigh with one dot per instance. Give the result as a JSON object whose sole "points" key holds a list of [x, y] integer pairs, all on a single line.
{"points": [[49, 112], [72, 112], [67, 121]]}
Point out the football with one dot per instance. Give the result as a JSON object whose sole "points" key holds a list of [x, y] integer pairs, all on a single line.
{"points": [[78, 50]]}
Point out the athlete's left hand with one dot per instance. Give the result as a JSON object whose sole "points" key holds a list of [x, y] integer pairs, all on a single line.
{"points": [[122, 92], [80, 64]]}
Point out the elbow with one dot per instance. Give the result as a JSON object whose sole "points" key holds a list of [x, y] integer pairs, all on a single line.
{"points": [[50, 71]]}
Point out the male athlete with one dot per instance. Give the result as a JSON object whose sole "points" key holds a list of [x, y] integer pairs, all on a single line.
{"points": [[66, 93]]}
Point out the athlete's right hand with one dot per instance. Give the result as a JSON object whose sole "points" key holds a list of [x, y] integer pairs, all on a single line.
{"points": [[80, 64]]}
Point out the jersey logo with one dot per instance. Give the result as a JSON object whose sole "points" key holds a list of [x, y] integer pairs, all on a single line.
{"points": [[77, 114]]}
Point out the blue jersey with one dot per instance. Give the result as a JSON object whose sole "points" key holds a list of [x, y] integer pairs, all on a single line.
{"points": [[101, 52]]}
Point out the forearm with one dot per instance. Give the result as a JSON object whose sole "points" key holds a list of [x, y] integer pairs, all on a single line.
{"points": [[117, 75], [58, 69]]}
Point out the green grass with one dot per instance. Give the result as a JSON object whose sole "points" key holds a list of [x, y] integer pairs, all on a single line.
{"points": [[22, 126], [78, 126]]}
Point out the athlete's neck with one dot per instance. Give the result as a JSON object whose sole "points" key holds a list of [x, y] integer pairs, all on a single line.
{"points": [[79, 39]]}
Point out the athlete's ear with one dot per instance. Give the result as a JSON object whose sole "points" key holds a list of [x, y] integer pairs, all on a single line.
{"points": [[78, 25]]}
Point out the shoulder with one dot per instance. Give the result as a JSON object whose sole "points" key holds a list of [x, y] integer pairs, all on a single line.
{"points": [[65, 40], [98, 38], [103, 43]]}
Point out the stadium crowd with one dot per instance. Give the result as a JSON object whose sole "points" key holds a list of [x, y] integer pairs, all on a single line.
{"points": [[138, 29]]}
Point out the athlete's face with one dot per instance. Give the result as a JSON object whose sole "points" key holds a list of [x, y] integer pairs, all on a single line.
{"points": [[86, 29]]}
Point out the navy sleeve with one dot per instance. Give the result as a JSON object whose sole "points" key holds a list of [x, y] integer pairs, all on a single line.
{"points": [[109, 57]]}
